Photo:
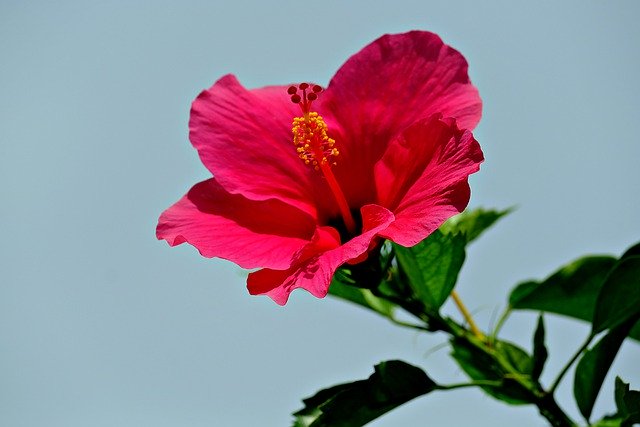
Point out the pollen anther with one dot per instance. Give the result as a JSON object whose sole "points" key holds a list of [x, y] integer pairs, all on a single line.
{"points": [[315, 148], [313, 145]]}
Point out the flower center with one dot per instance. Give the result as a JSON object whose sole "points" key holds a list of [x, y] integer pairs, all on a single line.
{"points": [[314, 146]]}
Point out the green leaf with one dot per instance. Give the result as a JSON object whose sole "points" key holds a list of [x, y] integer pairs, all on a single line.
{"points": [[540, 352], [612, 421], [632, 251], [481, 366], [571, 291], [432, 266], [594, 365], [307, 415], [574, 289], [628, 402], [516, 357], [340, 288], [619, 298], [392, 384], [473, 223]]}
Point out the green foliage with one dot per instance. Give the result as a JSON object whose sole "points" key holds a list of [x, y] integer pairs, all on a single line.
{"points": [[355, 404], [427, 271], [594, 365], [365, 284], [473, 223], [619, 298], [341, 287], [432, 266], [540, 352], [311, 411], [514, 369], [628, 403], [632, 251], [601, 289], [571, 291], [612, 421]]}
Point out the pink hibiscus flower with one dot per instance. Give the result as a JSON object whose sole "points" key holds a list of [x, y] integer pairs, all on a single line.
{"points": [[384, 152]]}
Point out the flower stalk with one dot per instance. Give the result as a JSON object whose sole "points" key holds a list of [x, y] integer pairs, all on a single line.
{"points": [[467, 315]]}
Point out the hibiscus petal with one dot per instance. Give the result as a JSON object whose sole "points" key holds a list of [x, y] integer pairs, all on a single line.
{"points": [[422, 177], [244, 138], [250, 233], [400, 78], [388, 85], [315, 273]]}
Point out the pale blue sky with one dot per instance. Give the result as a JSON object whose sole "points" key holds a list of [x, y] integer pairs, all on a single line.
{"points": [[102, 325]]}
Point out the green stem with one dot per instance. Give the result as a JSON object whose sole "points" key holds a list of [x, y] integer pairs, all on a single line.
{"points": [[562, 373], [544, 401], [408, 325], [503, 318], [548, 408], [479, 383]]}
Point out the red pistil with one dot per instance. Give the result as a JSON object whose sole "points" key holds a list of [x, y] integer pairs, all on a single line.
{"points": [[315, 147]]}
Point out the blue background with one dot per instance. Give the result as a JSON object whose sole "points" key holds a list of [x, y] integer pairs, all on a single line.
{"points": [[102, 325]]}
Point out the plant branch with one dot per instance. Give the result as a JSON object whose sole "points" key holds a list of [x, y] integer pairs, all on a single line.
{"points": [[408, 325], [479, 383], [503, 318], [467, 315], [562, 373], [544, 401]]}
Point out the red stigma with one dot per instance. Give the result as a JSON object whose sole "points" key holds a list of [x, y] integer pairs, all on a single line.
{"points": [[305, 99]]}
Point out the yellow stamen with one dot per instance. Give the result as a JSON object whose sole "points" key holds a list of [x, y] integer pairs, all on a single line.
{"points": [[311, 140], [315, 148]]}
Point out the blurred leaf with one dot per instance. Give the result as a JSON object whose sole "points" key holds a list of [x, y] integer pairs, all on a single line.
{"points": [[307, 415], [473, 223], [612, 421], [516, 357], [594, 365], [540, 352], [355, 404], [632, 251], [619, 298], [571, 291], [340, 288], [432, 266], [480, 366], [628, 403], [574, 289]]}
